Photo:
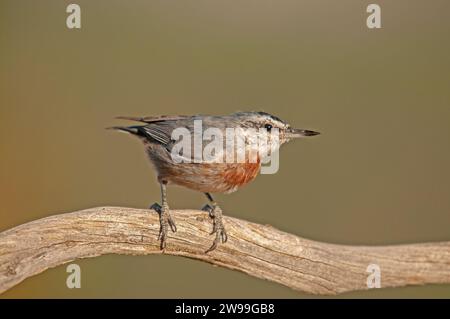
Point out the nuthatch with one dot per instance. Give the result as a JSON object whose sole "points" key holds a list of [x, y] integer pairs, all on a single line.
{"points": [[207, 176]]}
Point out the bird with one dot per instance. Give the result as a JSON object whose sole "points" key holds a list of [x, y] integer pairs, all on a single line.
{"points": [[215, 175]]}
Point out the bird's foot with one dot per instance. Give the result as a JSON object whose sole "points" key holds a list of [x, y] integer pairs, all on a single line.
{"points": [[165, 220], [215, 212]]}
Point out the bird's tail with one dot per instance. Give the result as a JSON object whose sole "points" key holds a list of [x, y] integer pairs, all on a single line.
{"points": [[135, 130]]}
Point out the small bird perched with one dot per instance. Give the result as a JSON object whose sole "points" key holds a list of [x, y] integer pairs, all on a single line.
{"points": [[208, 176]]}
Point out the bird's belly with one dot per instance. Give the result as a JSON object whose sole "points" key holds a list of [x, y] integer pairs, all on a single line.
{"points": [[211, 178]]}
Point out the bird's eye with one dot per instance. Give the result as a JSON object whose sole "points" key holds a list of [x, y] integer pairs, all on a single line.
{"points": [[268, 127]]}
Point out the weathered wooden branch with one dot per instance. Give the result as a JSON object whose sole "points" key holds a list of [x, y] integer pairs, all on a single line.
{"points": [[257, 250]]}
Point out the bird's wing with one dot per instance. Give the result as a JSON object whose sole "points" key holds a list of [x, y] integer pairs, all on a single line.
{"points": [[160, 132], [160, 129]]}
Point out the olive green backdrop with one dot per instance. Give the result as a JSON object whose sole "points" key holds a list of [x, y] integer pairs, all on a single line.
{"points": [[379, 173]]}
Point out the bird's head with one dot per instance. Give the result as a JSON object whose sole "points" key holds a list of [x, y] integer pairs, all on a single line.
{"points": [[265, 124]]}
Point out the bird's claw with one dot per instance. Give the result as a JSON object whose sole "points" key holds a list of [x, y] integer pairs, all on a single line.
{"points": [[218, 228], [221, 236], [165, 220]]}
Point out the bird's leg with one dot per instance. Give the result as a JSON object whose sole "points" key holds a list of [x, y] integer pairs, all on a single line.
{"points": [[216, 214], [165, 220]]}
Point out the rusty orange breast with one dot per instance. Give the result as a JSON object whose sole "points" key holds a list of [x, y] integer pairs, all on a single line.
{"points": [[239, 174]]}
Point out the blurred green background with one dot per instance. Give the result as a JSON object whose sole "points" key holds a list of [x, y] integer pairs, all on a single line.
{"points": [[379, 173]]}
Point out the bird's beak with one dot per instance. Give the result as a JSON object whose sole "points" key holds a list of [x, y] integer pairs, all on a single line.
{"points": [[297, 132]]}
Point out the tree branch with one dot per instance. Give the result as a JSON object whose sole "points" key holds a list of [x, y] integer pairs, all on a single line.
{"points": [[257, 250]]}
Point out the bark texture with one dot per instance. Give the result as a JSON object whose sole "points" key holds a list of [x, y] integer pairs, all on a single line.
{"points": [[257, 250]]}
